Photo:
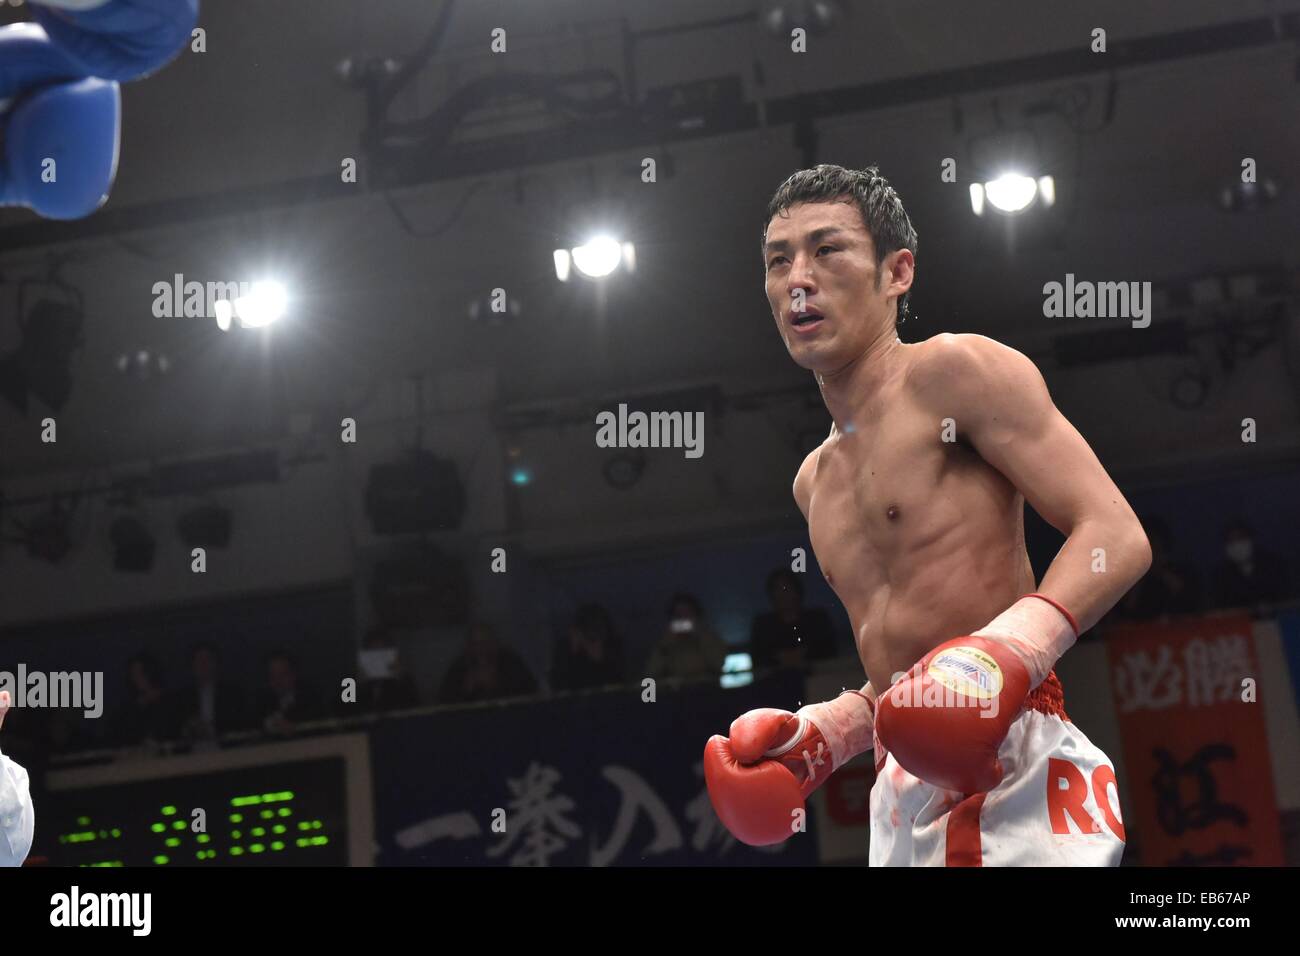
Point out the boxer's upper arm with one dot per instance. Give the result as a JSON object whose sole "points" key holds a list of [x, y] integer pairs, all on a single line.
{"points": [[1001, 406]]}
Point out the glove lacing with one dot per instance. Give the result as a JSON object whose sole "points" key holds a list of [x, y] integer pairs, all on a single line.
{"points": [[811, 760], [814, 762]]}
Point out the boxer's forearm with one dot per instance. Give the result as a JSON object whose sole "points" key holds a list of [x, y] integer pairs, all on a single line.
{"points": [[1099, 563], [846, 722]]}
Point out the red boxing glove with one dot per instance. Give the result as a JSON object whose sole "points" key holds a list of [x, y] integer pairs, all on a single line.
{"points": [[774, 760], [945, 721]]}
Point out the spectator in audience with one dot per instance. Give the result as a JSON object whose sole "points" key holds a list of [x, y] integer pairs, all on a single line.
{"points": [[590, 654], [287, 700], [485, 670], [211, 706], [1249, 575], [1171, 586], [689, 648], [146, 716], [384, 684], [789, 634]]}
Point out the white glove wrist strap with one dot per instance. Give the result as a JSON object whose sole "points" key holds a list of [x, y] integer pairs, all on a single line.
{"points": [[1037, 630]]}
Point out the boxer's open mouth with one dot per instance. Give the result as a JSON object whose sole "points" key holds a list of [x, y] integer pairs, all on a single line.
{"points": [[806, 318]]}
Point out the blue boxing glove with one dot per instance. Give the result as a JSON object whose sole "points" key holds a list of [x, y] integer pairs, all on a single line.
{"points": [[60, 148], [118, 39], [28, 61]]}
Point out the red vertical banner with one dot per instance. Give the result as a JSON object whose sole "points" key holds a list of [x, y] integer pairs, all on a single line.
{"points": [[1195, 743]]}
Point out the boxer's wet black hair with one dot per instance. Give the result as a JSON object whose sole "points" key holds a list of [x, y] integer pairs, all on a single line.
{"points": [[882, 211]]}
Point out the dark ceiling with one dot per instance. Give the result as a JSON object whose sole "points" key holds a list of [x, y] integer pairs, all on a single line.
{"points": [[230, 165]]}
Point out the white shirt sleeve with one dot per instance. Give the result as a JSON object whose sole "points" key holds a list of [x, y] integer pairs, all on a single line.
{"points": [[17, 816]]}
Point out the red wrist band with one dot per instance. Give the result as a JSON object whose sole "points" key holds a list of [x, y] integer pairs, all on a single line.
{"points": [[1057, 604]]}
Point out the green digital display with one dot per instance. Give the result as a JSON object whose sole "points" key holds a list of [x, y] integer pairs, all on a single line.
{"points": [[287, 814]]}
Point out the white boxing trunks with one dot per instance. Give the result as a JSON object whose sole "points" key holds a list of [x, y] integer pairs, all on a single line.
{"points": [[1057, 804]]}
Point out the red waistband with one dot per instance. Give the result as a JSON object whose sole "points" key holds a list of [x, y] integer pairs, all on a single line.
{"points": [[1048, 697]]}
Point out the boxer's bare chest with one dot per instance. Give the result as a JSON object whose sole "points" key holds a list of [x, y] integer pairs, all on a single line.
{"points": [[866, 487], [883, 494]]}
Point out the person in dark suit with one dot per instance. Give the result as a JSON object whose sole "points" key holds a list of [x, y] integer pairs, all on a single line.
{"points": [[146, 716], [485, 670], [210, 706], [1248, 575], [589, 653], [287, 700]]}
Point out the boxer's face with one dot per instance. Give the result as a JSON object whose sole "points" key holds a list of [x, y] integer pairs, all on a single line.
{"points": [[823, 253]]}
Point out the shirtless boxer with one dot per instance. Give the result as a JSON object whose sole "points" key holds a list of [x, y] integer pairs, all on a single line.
{"points": [[915, 510]]}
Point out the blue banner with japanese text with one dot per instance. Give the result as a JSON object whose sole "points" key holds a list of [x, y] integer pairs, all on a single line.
{"points": [[595, 779]]}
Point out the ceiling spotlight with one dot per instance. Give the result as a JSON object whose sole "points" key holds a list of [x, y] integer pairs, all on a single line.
{"points": [[225, 313], [493, 310], [48, 536], [563, 261], [815, 16], [143, 364], [359, 73], [1047, 190], [133, 544], [1248, 197], [265, 303], [1012, 193], [596, 258]]}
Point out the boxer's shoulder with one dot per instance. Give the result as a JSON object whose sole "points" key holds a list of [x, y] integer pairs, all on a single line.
{"points": [[950, 364], [956, 352]]}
